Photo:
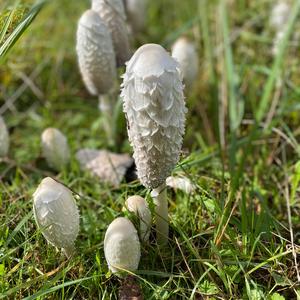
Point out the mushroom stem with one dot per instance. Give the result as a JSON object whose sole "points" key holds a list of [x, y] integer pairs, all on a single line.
{"points": [[159, 196], [106, 108]]}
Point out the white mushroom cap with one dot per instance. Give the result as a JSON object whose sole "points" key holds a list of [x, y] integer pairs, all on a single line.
{"points": [[152, 93], [4, 138], [184, 51], [121, 246], [136, 12], [279, 15], [96, 57], [55, 148], [56, 214], [112, 12], [139, 207]]}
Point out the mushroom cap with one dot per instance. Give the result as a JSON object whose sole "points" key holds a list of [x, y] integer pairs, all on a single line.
{"points": [[56, 213], [139, 207], [4, 138], [55, 148], [153, 101], [121, 246], [96, 57], [136, 12], [184, 51], [112, 12]]}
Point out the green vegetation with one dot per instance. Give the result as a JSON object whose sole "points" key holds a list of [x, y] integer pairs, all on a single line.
{"points": [[237, 237]]}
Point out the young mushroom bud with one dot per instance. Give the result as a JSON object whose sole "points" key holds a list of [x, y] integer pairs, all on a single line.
{"points": [[121, 246], [55, 148], [154, 105], [112, 12], [136, 12], [184, 51], [139, 207], [56, 214], [4, 138]]}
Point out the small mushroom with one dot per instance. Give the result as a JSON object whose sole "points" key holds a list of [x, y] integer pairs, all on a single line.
{"points": [[184, 51], [153, 101], [122, 247], [4, 138], [109, 167], [112, 12], [139, 207], [55, 148], [56, 214]]}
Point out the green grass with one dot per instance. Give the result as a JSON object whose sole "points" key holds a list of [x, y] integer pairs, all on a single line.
{"points": [[229, 240]]}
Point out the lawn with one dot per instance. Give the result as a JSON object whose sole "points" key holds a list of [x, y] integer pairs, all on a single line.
{"points": [[237, 236]]}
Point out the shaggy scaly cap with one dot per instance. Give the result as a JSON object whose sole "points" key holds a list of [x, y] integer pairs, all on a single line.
{"points": [[139, 207], [56, 213], [95, 53], [184, 51], [154, 105], [112, 12], [121, 246], [55, 148], [4, 138]]}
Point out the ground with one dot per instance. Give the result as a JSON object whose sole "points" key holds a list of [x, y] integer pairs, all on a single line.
{"points": [[237, 236]]}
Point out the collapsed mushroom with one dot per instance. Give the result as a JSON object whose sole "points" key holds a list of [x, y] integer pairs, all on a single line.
{"points": [[122, 247], [55, 148], [112, 12], [109, 167], [153, 101], [56, 214], [4, 138]]}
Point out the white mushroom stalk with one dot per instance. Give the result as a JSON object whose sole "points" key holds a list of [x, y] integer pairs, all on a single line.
{"points": [[139, 207], [56, 214], [55, 148], [112, 12], [122, 247], [153, 101], [97, 62], [184, 51], [278, 21], [279, 15], [4, 138], [136, 12]]}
